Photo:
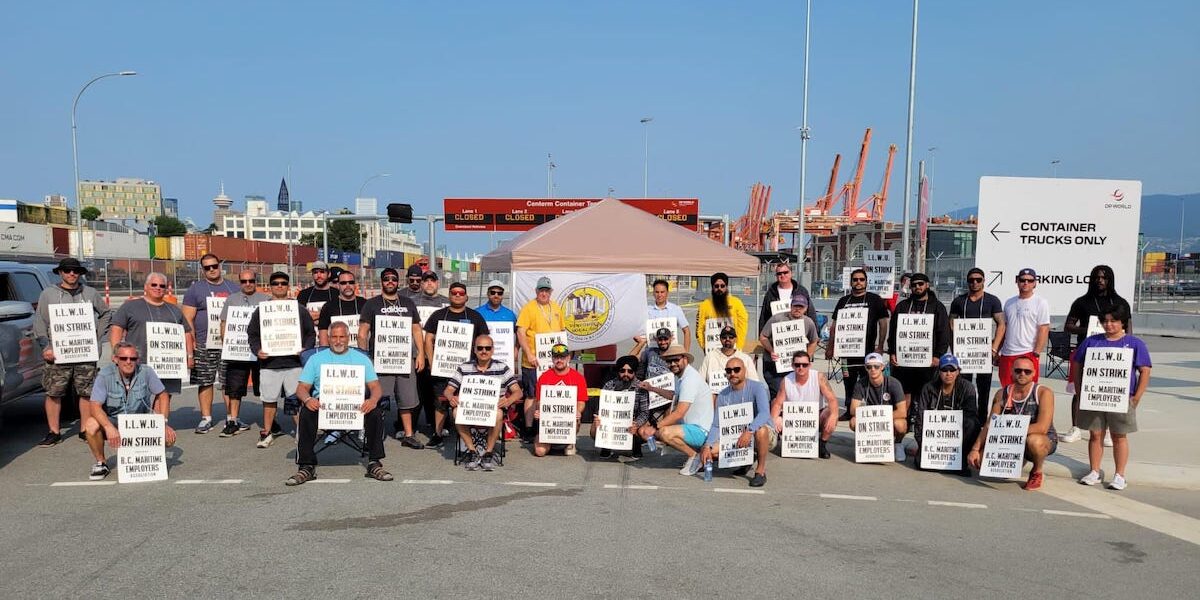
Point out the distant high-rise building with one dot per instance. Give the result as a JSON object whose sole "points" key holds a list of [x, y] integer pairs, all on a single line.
{"points": [[170, 207], [283, 203], [297, 206], [134, 199], [223, 205]]}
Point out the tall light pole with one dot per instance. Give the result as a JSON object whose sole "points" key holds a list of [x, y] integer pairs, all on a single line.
{"points": [[646, 162], [1054, 168], [932, 150], [75, 155], [550, 166], [804, 135], [906, 235], [325, 221]]}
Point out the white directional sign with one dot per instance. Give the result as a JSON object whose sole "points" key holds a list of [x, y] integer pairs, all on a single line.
{"points": [[1061, 228]]}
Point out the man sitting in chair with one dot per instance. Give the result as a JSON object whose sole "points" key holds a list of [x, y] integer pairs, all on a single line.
{"points": [[308, 391], [510, 393]]}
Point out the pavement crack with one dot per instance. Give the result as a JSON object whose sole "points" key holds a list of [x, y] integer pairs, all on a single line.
{"points": [[436, 512]]}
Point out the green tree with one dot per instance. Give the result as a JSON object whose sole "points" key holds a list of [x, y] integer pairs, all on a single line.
{"points": [[169, 226], [344, 236], [90, 213]]}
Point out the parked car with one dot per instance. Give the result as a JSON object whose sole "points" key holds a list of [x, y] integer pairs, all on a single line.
{"points": [[21, 367]]}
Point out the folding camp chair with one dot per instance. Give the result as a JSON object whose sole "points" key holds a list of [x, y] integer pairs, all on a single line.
{"points": [[354, 439], [1058, 353], [479, 436]]}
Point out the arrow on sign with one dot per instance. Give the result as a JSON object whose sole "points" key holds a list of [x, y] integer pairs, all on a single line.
{"points": [[994, 231], [999, 274]]}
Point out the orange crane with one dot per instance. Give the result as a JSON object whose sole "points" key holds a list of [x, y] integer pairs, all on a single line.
{"points": [[879, 200], [748, 229]]}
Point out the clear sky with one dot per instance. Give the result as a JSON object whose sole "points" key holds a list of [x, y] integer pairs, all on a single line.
{"points": [[467, 98]]}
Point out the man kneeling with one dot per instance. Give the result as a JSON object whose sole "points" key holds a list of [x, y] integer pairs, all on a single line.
{"points": [[760, 431], [308, 390], [131, 387], [510, 393]]}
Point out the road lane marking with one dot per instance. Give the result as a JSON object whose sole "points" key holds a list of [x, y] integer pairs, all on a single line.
{"points": [[80, 483], [329, 481], [1071, 513], [957, 504], [205, 481], [1112, 504], [847, 497], [613, 486], [427, 481], [738, 491], [532, 483]]}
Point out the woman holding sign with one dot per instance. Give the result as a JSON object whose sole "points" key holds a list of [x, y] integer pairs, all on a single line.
{"points": [[1116, 373]]}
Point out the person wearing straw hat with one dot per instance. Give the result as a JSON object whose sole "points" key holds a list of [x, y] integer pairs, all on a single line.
{"points": [[685, 427]]}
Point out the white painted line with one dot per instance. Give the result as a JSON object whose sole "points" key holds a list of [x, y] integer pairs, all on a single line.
{"points": [[903, 500], [330, 481], [738, 491], [847, 497], [1114, 505], [1071, 513], [205, 481], [80, 483], [428, 481], [532, 483], [613, 486], [957, 504]]}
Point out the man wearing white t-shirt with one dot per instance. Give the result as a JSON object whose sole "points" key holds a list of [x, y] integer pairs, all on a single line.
{"points": [[662, 308], [686, 427], [1027, 320]]}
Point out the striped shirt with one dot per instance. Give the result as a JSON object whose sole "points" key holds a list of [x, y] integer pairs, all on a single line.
{"points": [[495, 369]]}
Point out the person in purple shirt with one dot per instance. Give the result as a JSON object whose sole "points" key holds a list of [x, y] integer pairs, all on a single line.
{"points": [[760, 432], [1119, 425]]}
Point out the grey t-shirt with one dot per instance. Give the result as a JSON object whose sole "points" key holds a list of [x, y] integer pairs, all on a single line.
{"points": [[889, 392], [241, 299], [197, 298], [810, 332], [134, 314]]}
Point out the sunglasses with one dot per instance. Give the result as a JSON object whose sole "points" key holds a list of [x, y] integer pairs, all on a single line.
{"points": [[858, 279], [674, 359], [162, 286], [625, 370], [423, 264], [1025, 280], [127, 358], [457, 293], [211, 267], [495, 292], [949, 370], [803, 365], [778, 273], [872, 367], [719, 287], [279, 283], [390, 279], [1018, 371], [975, 280], [558, 356], [483, 348], [247, 280], [351, 282], [732, 370]]}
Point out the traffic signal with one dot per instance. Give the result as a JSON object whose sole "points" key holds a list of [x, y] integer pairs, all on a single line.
{"points": [[399, 213]]}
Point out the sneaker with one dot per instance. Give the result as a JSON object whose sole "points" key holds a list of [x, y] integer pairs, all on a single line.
{"points": [[1092, 478], [99, 471], [409, 441], [1034, 482], [822, 450], [489, 462], [435, 442], [691, 467], [569, 451], [52, 438], [900, 456], [82, 436], [1118, 483], [758, 480], [242, 425], [265, 438], [231, 429], [605, 453], [1071, 436], [471, 461], [1107, 439], [204, 425]]}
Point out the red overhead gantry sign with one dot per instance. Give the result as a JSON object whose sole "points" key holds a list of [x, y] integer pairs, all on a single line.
{"points": [[523, 214]]}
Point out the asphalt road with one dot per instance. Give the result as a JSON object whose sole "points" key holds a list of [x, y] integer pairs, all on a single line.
{"points": [[566, 527]]}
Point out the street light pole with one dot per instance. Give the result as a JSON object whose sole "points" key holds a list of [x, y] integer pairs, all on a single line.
{"points": [[75, 155], [325, 221], [646, 162], [932, 150], [804, 135], [906, 235], [1054, 168]]}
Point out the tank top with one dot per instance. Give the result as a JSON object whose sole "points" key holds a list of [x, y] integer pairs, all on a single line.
{"points": [[810, 391], [1026, 406]]}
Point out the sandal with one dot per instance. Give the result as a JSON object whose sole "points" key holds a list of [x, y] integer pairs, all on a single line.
{"points": [[301, 476], [376, 471]]}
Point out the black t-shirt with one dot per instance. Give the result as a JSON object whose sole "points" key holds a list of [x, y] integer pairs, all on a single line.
{"points": [[312, 294], [1094, 306], [876, 309], [963, 308], [468, 315], [400, 307], [339, 308]]}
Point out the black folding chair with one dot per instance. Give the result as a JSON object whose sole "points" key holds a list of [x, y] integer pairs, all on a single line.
{"points": [[479, 437], [1058, 353], [354, 439]]}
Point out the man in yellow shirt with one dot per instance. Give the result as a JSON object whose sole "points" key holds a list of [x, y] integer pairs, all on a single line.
{"points": [[725, 308], [540, 315]]}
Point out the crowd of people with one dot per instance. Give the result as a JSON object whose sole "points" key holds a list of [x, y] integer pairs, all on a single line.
{"points": [[423, 353]]}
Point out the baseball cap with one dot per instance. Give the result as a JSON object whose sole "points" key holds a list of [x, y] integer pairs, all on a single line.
{"points": [[320, 264], [389, 271], [874, 358], [727, 330], [559, 350], [799, 301], [918, 277], [495, 283], [543, 283], [458, 284], [663, 333], [414, 271], [947, 360], [429, 275], [1027, 271]]}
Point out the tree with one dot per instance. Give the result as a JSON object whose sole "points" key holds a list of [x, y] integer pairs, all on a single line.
{"points": [[169, 226], [343, 236], [211, 228], [90, 213]]}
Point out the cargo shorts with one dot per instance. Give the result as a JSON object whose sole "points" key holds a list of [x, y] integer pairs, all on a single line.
{"points": [[59, 379]]}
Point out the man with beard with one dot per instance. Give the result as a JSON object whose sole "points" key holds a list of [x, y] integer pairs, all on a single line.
{"points": [[345, 309], [650, 356], [876, 333], [627, 380], [712, 368], [1083, 320], [428, 301], [315, 296], [413, 279], [402, 388], [760, 432], [195, 309], [457, 311], [280, 374], [724, 307], [766, 338], [922, 300], [784, 288], [685, 428], [978, 304]]}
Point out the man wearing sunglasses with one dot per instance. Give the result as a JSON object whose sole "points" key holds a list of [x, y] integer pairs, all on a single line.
{"points": [[877, 389], [413, 282], [978, 304], [627, 380], [456, 312], [494, 310], [1026, 327], [559, 373], [797, 315], [280, 375], [725, 306], [345, 309], [781, 289], [950, 391], [239, 373], [921, 300], [195, 309], [1024, 396], [715, 361], [402, 388], [321, 291], [540, 315], [482, 364], [428, 301], [760, 432], [685, 428], [132, 389], [806, 384], [876, 334], [61, 379], [129, 323]]}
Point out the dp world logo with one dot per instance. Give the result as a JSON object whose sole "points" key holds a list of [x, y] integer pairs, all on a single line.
{"points": [[587, 310], [1117, 200]]}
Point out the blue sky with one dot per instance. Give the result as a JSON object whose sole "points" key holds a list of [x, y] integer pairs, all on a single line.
{"points": [[467, 98]]}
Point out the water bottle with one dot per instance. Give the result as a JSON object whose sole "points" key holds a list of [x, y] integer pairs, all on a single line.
{"points": [[708, 471], [652, 444]]}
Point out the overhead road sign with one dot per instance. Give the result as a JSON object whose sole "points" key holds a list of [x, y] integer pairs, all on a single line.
{"points": [[523, 214], [1061, 228]]}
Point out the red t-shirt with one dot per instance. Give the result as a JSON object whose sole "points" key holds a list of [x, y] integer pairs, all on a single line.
{"points": [[572, 377]]}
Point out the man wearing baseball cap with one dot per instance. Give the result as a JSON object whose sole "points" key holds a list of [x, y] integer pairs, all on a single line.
{"points": [[712, 368], [797, 315], [429, 301], [877, 390], [412, 280], [921, 300], [560, 373], [950, 391], [650, 355], [978, 304], [540, 315], [1027, 327], [316, 295], [494, 310]]}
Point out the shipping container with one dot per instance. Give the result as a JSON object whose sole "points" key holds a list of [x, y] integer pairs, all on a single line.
{"points": [[162, 248], [195, 245], [25, 240], [271, 252], [177, 248], [112, 244], [62, 239], [303, 254], [231, 249]]}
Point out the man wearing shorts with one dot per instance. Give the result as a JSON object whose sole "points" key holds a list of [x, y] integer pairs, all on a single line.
{"points": [[59, 380], [459, 312], [1027, 327], [238, 373], [760, 432], [131, 320], [402, 388], [1024, 397], [686, 427], [280, 374], [208, 356], [131, 389]]}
